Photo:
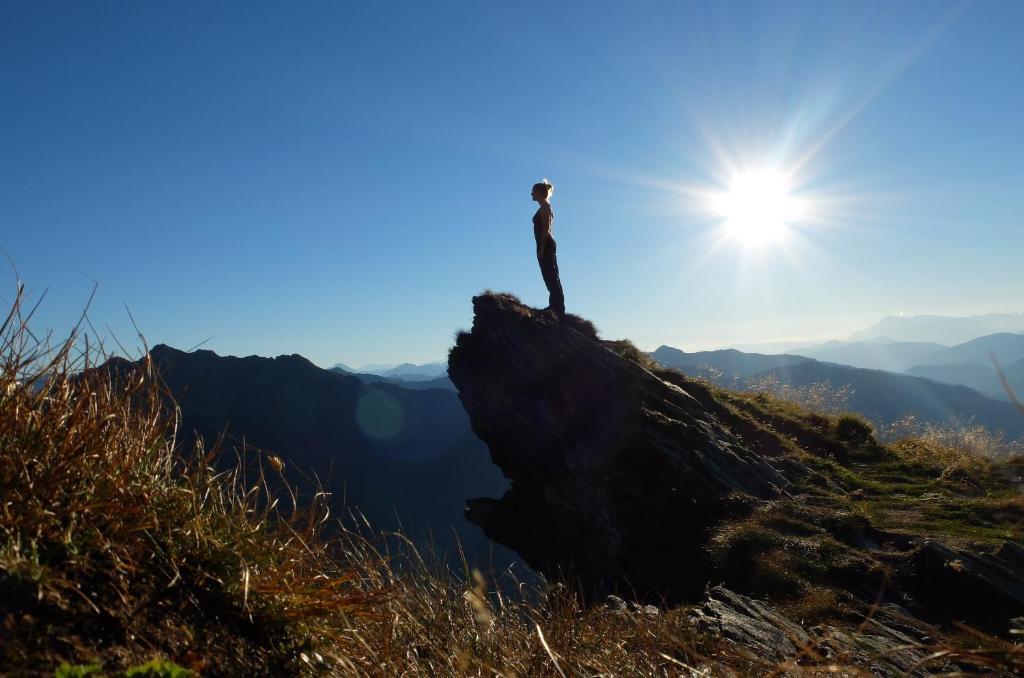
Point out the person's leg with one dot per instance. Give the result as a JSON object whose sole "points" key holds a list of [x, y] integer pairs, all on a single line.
{"points": [[549, 269]]}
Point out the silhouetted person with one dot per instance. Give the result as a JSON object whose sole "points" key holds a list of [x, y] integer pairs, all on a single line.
{"points": [[546, 247]]}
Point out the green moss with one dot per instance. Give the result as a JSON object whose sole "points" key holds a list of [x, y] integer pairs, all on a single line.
{"points": [[159, 668], [155, 668], [66, 670]]}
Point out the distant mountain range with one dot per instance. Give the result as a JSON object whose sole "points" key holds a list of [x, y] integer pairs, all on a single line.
{"points": [[892, 357], [879, 395], [948, 330], [981, 378], [727, 363], [969, 364], [1005, 347], [402, 457], [403, 371], [414, 382], [411, 372]]}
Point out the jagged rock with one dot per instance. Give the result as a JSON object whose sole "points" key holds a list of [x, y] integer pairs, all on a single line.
{"points": [[617, 475], [748, 624], [983, 588], [878, 649], [760, 632], [633, 482]]}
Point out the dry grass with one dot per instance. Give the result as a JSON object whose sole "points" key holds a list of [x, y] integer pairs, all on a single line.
{"points": [[955, 439], [822, 397], [116, 548], [444, 624]]}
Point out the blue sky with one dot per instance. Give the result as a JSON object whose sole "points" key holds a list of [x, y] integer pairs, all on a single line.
{"points": [[338, 179]]}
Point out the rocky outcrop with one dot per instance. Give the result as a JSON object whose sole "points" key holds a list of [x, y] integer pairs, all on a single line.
{"points": [[752, 626], [628, 479], [884, 645], [987, 588], [617, 476]]}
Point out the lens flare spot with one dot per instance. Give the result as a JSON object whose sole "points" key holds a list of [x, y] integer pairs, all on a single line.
{"points": [[379, 415]]}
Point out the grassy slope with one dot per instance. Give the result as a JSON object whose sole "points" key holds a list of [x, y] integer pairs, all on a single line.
{"points": [[114, 550], [117, 547]]}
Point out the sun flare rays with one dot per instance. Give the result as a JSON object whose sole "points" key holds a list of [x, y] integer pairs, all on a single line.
{"points": [[758, 207]]}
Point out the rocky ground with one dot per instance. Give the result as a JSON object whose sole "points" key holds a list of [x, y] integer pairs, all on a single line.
{"points": [[790, 533]]}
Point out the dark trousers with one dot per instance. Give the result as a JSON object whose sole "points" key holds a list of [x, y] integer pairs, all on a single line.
{"points": [[549, 269]]}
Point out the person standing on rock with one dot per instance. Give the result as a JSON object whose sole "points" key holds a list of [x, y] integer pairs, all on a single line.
{"points": [[542, 221]]}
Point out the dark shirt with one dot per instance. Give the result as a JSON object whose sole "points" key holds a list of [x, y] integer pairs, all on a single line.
{"points": [[542, 221]]}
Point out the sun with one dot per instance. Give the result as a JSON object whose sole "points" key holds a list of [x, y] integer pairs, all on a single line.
{"points": [[757, 208]]}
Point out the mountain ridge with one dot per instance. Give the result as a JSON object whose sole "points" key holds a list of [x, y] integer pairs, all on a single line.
{"points": [[402, 457], [949, 330], [882, 396]]}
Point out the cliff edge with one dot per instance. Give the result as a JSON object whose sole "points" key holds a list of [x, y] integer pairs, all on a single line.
{"points": [[632, 480], [617, 475]]}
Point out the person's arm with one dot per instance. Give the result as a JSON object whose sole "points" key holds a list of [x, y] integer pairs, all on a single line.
{"points": [[541, 231]]}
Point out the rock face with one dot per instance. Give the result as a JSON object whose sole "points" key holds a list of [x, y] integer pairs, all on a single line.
{"points": [[751, 625], [987, 588], [617, 476], [754, 629]]}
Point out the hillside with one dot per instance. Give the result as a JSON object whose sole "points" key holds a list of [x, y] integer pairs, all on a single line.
{"points": [[895, 356], [685, 529], [401, 457], [971, 364], [1005, 347], [883, 397], [726, 363], [981, 378], [632, 480]]}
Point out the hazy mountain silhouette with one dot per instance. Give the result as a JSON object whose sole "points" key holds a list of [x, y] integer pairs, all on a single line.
{"points": [[411, 372], [885, 397], [979, 377], [770, 347], [403, 371], [948, 330], [1015, 375], [415, 384], [728, 362], [879, 395], [895, 356], [1006, 347], [970, 364], [374, 368], [393, 453]]}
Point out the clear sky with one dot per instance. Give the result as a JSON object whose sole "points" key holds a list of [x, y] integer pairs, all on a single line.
{"points": [[337, 179]]}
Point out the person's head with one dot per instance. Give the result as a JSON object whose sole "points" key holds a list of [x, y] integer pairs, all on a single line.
{"points": [[542, 191]]}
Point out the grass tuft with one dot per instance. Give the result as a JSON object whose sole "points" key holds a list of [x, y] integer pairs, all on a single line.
{"points": [[115, 546], [123, 555]]}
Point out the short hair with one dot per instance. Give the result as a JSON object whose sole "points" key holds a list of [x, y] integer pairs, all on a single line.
{"points": [[545, 186]]}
